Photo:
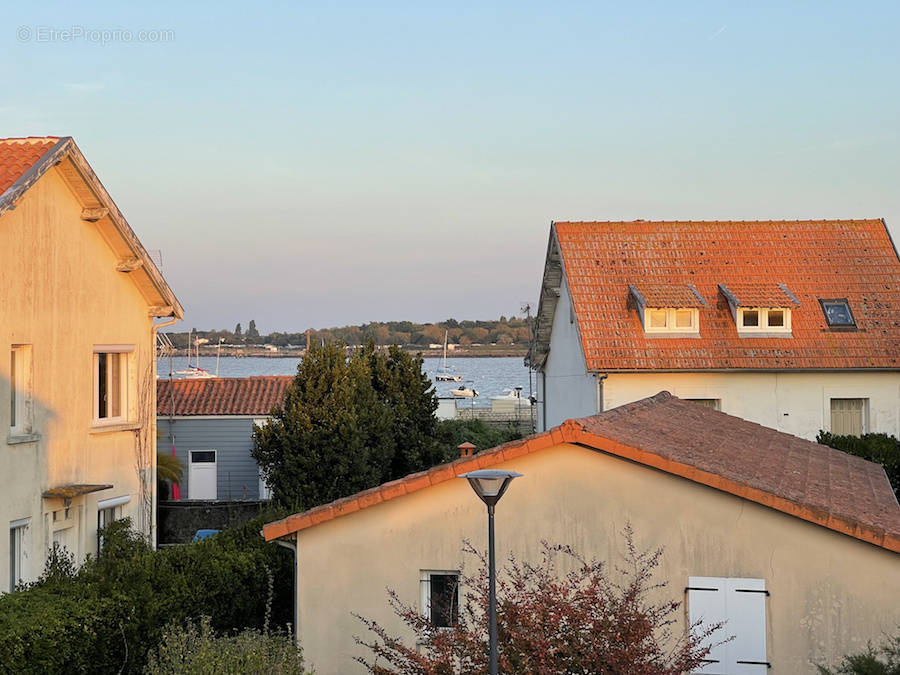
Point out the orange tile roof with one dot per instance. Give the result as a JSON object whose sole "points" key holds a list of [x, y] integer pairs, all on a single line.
{"points": [[669, 295], [783, 472], [853, 259], [221, 395], [759, 295], [17, 155]]}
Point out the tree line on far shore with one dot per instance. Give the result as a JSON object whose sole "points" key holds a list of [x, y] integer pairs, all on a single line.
{"points": [[511, 331]]}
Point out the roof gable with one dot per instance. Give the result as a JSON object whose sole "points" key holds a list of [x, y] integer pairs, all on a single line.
{"points": [[24, 161], [221, 396], [790, 474], [788, 264]]}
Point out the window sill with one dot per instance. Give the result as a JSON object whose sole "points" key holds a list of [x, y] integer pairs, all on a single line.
{"points": [[22, 438], [765, 334], [111, 428]]}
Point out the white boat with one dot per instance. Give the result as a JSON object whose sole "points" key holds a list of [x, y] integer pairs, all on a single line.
{"points": [[510, 399], [464, 392], [192, 372], [443, 373]]}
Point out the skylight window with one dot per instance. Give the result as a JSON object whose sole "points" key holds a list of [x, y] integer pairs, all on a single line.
{"points": [[837, 313]]}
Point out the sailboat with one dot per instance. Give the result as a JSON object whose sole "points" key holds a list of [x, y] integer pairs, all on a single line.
{"points": [[193, 372], [443, 373]]}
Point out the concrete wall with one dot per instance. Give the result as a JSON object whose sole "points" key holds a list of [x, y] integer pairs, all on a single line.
{"points": [[63, 295], [564, 388], [796, 403], [829, 593], [237, 474]]}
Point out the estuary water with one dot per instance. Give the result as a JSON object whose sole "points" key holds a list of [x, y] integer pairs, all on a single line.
{"points": [[489, 376]]}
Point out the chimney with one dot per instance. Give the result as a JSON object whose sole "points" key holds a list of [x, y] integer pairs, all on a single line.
{"points": [[466, 449]]}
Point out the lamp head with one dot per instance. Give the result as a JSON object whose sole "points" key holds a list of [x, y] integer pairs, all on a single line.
{"points": [[490, 484]]}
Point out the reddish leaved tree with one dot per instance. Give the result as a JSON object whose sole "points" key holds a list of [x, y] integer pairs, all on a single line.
{"points": [[581, 622]]}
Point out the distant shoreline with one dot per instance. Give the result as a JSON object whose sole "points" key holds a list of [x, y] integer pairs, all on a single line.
{"points": [[459, 352]]}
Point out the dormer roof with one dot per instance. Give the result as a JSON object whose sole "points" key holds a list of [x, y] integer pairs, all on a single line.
{"points": [[789, 264]]}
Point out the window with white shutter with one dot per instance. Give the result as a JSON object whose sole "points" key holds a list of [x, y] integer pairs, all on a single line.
{"points": [[741, 605], [848, 416]]}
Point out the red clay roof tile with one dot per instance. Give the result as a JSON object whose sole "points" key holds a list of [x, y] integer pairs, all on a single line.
{"points": [[669, 295], [17, 155], [221, 395], [790, 474], [853, 259]]}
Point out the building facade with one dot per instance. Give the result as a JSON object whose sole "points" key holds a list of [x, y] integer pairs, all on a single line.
{"points": [[208, 424], [791, 324], [77, 379], [795, 545]]}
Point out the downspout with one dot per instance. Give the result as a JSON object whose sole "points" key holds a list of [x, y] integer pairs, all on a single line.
{"points": [[293, 546], [153, 500], [600, 378]]}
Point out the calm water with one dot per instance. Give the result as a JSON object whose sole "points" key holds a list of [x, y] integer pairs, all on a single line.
{"points": [[488, 376]]}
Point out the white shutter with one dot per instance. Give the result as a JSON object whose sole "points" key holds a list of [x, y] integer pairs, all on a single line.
{"points": [[746, 607], [706, 602], [741, 604]]}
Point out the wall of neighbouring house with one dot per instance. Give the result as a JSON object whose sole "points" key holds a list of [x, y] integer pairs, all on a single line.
{"points": [[796, 403], [237, 474], [63, 295], [830, 593], [565, 389]]}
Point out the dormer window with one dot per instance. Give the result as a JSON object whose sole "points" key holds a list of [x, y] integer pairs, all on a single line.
{"points": [[764, 320], [760, 310], [668, 308]]}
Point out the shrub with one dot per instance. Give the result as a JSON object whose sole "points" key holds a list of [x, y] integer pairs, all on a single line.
{"points": [[582, 622], [195, 649], [882, 660]]}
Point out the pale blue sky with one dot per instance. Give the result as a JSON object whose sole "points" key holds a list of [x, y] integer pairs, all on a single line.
{"points": [[309, 165]]}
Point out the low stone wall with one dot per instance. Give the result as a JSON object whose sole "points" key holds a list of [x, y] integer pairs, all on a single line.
{"points": [[179, 520]]}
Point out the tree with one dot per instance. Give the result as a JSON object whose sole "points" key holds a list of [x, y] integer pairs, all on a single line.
{"points": [[881, 660], [348, 424], [582, 622], [879, 448], [237, 330], [251, 330]]}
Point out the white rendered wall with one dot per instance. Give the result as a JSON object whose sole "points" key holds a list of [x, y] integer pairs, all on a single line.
{"points": [[565, 389], [796, 403]]}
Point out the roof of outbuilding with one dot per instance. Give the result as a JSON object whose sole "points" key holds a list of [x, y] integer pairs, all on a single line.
{"points": [[798, 477], [221, 395], [766, 263]]}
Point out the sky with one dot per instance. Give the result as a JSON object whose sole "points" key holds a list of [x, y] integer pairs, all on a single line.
{"points": [[321, 164]]}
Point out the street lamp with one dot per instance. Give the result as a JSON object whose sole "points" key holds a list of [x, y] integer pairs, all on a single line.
{"points": [[490, 485]]}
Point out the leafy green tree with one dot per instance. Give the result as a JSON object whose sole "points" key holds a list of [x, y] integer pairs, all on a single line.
{"points": [[879, 448], [348, 423], [168, 468]]}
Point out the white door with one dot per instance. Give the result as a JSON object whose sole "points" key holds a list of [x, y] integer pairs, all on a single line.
{"points": [[202, 475]]}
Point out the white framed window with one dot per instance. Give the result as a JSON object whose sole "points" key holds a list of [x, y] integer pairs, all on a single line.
{"points": [[849, 416], [20, 387], [763, 320], [741, 605], [112, 383], [671, 320], [108, 512], [18, 552], [439, 592]]}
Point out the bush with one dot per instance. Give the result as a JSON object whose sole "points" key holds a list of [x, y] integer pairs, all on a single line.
{"points": [[450, 433], [582, 622], [883, 660], [195, 649], [879, 448], [108, 615]]}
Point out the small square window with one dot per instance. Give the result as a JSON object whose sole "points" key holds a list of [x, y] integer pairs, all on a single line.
{"points": [[750, 317], [776, 318], [837, 313], [658, 318], [684, 318], [440, 598]]}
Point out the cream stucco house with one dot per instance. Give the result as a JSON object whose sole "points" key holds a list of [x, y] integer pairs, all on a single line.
{"points": [[77, 374], [794, 544], [791, 324]]}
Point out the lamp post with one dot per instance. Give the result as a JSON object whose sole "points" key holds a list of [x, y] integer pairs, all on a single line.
{"points": [[490, 485]]}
